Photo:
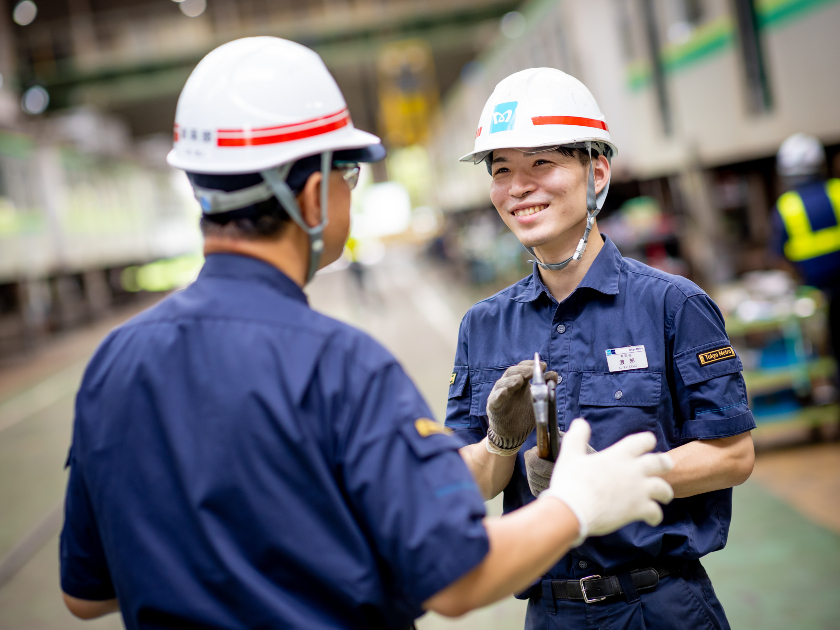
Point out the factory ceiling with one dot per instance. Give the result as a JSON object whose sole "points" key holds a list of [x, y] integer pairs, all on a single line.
{"points": [[131, 57]]}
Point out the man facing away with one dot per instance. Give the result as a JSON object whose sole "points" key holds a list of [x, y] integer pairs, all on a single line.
{"points": [[806, 222], [629, 348], [240, 461]]}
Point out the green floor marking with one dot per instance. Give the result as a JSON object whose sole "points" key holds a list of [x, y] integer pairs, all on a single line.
{"points": [[779, 571]]}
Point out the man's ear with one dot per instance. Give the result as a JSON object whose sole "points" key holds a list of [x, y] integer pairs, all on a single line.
{"points": [[309, 200], [601, 168]]}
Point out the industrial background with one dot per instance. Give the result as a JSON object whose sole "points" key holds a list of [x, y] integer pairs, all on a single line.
{"points": [[698, 94]]}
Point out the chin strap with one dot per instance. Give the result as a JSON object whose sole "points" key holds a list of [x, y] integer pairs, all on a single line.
{"points": [[593, 207], [276, 179]]}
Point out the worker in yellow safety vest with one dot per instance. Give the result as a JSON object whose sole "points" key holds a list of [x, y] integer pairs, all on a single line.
{"points": [[806, 221]]}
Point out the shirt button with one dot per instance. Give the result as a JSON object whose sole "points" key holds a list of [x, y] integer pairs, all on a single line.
{"points": [[559, 379], [582, 564], [561, 328], [619, 394]]}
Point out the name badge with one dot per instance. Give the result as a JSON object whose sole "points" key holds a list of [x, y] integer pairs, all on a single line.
{"points": [[627, 358]]}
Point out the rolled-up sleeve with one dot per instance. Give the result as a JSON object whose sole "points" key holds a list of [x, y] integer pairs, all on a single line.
{"points": [[711, 394], [407, 481], [84, 571], [468, 429]]}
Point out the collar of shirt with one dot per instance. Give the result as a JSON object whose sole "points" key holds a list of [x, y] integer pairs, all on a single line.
{"points": [[602, 275], [239, 267]]}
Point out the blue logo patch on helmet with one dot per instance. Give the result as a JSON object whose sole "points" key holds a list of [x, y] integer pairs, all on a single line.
{"points": [[503, 117]]}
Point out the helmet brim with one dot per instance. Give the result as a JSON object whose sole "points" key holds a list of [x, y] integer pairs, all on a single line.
{"points": [[477, 157], [373, 153]]}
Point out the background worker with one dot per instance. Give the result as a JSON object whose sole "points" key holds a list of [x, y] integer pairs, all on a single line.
{"points": [[633, 349], [240, 461], [806, 222]]}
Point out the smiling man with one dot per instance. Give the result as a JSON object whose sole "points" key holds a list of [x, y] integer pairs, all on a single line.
{"points": [[630, 348], [240, 461]]}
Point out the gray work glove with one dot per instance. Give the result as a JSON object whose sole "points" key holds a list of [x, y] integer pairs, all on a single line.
{"points": [[509, 409], [539, 470]]}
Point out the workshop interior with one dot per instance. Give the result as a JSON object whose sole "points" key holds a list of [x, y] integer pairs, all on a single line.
{"points": [[699, 96]]}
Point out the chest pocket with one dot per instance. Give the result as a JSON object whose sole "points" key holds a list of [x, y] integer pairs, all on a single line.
{"points": [[481, 384], [618, 404]]}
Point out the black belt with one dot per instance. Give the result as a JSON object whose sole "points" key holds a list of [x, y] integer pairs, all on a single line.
{"points": [[596, 588]]}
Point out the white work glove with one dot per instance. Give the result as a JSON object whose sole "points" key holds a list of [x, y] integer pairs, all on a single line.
{"points": [[609, 489]]}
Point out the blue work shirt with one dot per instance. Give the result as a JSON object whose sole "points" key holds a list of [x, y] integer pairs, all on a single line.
{"points": [[691, 389], [241, 461], [823, 271]]}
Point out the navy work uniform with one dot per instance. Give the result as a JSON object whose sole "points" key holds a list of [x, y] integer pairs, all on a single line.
{"points": [[636, 350], [241, 461], [806, 231]]}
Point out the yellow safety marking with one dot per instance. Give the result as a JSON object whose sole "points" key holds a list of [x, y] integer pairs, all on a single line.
{"points": [[794, 215], [818, 244], [426, 427], [832, 189], [452, 378], [803, 243]]}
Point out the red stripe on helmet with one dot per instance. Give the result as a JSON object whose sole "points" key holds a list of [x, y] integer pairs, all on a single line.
{"points": [[311, 121], [296, 131], [478, 132], [570, 120], [175, 133], [287, 136]]}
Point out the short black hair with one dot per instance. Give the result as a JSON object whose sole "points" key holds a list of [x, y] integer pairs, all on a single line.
{"points": [[263, 220], [581, 155], [268, 218]]}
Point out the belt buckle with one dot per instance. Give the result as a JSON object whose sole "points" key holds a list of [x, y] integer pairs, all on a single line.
{"points": [[583, 590]]}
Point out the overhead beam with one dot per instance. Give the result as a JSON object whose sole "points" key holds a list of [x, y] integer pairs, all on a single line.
{"points": [[339, 47]]}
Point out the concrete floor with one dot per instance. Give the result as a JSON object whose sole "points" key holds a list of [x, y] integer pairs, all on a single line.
{"points": [[780, 570]]}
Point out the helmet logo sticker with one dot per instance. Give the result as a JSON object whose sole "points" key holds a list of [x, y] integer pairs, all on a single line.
{"points": [[504, 115]]}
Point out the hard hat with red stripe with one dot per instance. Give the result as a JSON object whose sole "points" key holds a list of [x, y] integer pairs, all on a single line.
{"points": [[259, 102], [539, 107], [258, 105]]}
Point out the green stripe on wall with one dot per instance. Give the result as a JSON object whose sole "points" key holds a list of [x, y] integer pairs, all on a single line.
{"points": [[717, 36], [772, 13], [638, 75], [707, 40]]}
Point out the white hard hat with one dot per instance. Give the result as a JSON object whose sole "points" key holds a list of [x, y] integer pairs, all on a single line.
{"points": [[539, 107], [801, 154], [259, 102], [258, 105]]}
